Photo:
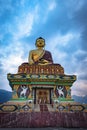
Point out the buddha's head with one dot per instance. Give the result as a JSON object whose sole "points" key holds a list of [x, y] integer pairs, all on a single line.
{"points": [[40, 42]]}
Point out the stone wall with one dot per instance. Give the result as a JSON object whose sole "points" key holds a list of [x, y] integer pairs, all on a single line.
{"points": [[43, 119]]}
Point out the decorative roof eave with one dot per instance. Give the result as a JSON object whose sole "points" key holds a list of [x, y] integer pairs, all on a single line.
{"points": [[40, 80], [40, 77]]}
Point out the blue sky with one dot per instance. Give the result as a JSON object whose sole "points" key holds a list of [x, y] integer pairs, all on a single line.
{"points": [[63, 25]]}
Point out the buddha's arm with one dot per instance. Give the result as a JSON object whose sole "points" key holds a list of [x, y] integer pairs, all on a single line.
{"points": [[30, 60]]}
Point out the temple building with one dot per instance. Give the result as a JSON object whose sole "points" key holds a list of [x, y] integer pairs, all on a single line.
{"points": [[41, 85], [40, 80]]}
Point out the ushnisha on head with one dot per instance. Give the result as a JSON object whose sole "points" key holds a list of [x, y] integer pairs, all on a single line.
{"points": [[40, 42]]}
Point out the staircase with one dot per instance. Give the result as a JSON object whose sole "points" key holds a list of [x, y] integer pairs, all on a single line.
{"points": [[43, 107]]}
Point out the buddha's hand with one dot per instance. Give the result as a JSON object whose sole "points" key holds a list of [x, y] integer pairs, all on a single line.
{"points": [[43, 62]]}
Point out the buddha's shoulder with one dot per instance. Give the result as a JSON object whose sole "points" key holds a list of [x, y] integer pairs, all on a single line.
{"points": [[46, 51], [32, 51]]}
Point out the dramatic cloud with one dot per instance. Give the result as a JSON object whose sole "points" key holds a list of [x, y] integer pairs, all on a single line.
{"points": [[63, 25]]}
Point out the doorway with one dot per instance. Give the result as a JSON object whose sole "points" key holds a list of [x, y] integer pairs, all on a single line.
{"points": [[43, 96]]}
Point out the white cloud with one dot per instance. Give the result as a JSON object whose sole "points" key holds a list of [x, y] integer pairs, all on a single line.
{"points": [[22, 2], [24, 26], [80, 88], [80, 52], [58, 41], [52, 5], [62, 40], [13, 55], [72, 4], [73, 7], [79, 59], [4, 83]]}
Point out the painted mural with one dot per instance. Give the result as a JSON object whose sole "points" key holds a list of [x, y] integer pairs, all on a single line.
{"points": [[23, 91], [61, 91]]}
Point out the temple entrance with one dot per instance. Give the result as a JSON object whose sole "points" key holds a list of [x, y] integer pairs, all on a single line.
{"points": [[42, 96]]}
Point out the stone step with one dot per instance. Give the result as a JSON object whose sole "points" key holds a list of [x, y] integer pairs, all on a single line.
{"points": [[43, 107]]}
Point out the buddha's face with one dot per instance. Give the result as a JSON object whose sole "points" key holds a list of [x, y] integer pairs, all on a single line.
{"points": [[40, 43]]}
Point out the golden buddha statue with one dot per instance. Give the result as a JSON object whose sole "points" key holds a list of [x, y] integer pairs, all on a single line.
{"points": [[40, 55]]}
